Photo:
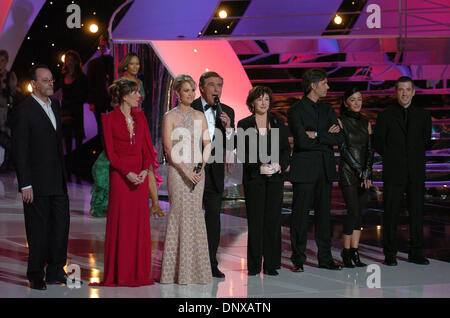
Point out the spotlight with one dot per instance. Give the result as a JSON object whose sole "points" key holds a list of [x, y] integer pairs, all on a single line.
{"points": [[93, 28], [337, 19], [29, 88], [223, 14], [63, 57]]}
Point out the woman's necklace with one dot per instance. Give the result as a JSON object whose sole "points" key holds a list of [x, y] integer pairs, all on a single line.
{"points": [[130, 127]]}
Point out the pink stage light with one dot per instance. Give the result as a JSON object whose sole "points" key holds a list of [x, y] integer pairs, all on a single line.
{"points": [[196, 57], [4, 10]]}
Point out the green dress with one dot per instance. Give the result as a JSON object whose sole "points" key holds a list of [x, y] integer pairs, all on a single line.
{"points": [[100, 189], [100, 174]]}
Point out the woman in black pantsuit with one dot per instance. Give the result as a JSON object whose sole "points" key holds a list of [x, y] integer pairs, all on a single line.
{"points": [[355, 172], [265, 136]]}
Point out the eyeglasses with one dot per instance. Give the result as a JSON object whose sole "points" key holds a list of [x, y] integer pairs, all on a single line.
{"points": [[47, 81]]}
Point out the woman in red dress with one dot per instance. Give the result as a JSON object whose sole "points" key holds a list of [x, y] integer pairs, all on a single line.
{"points": [[130, 151]]}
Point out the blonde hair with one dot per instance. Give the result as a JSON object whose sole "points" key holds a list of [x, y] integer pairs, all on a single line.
{"points": [[180, 80]]}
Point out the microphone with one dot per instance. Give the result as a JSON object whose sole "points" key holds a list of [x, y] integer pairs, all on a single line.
{"points": [[218, 107], [197, 170]]}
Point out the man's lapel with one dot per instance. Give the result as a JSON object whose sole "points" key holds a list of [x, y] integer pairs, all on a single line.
{"points": [[44, 115]]}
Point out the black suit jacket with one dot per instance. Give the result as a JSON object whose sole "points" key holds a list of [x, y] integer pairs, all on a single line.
{"points": [[252, 170], [216, 170], [403, 148], [100, 73], [307, 152], [37, 149]]}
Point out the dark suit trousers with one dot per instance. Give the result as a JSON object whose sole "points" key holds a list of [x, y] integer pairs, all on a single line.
{"points": [[263, 202], [393, 198], [47, 227], [317, 195], [212, 200]]}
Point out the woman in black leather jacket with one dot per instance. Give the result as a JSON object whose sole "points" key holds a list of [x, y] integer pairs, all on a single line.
{"points": [[355, 171]]}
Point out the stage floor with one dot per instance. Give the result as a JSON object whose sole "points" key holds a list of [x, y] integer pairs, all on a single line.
{"points": [[86, 250]]}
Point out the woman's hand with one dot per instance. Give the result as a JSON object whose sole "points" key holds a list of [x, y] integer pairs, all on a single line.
{"points": [[156, 210], [134, 178], [367, 183], [142, 176], [266, 169], [276, 167], [193, 176]]}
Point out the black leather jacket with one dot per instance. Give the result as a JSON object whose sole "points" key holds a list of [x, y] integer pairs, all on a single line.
{"points": [[356, 151]]}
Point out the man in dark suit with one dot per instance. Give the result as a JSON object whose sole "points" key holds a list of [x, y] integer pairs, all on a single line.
{"points": [[220, 119], [100, 73], [402, 135], [315, 129], [37, 150]]}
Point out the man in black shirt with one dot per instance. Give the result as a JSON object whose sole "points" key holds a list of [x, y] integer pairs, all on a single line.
{"points": [[315, 129], [402, 135]]}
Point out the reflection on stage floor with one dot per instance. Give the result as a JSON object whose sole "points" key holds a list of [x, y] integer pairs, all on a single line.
{"points": [[87, 239]]}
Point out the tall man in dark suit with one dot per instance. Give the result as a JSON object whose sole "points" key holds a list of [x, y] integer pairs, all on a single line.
{"points": [[402, 135], [100, 73], [219, 120], [37, 149], [315, 129]]}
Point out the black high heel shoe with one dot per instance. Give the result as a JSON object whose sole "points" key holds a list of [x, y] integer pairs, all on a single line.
{"points": [[355, 258], [347, 258]]}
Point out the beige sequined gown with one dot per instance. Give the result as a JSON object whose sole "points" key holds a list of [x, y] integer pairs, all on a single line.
{"points": [[185, 257]]}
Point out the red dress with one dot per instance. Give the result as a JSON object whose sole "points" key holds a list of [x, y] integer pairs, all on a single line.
{"points": [[128, 251]]}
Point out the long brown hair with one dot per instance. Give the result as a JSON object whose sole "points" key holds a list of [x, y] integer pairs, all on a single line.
{"points": [[77, 61]]}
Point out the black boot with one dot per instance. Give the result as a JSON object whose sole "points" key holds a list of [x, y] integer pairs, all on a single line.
{"points": [[347, 258], [355, 258]]}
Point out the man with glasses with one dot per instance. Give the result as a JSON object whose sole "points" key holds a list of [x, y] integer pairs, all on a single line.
{"points": [[38, 155]]}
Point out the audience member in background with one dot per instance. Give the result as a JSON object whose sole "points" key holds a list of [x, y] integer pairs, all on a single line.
{"points": [[130, 66], [74, 87], [355, 171], [8, 83], [100, 73]]}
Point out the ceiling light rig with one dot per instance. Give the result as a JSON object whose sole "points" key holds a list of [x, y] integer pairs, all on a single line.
{"points": [[345, 18], [93, 28], [225, 18], [223, 14], [337, 19]]}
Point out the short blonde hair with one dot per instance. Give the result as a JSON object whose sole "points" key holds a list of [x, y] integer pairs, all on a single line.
{"points": [[181, 79]]}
